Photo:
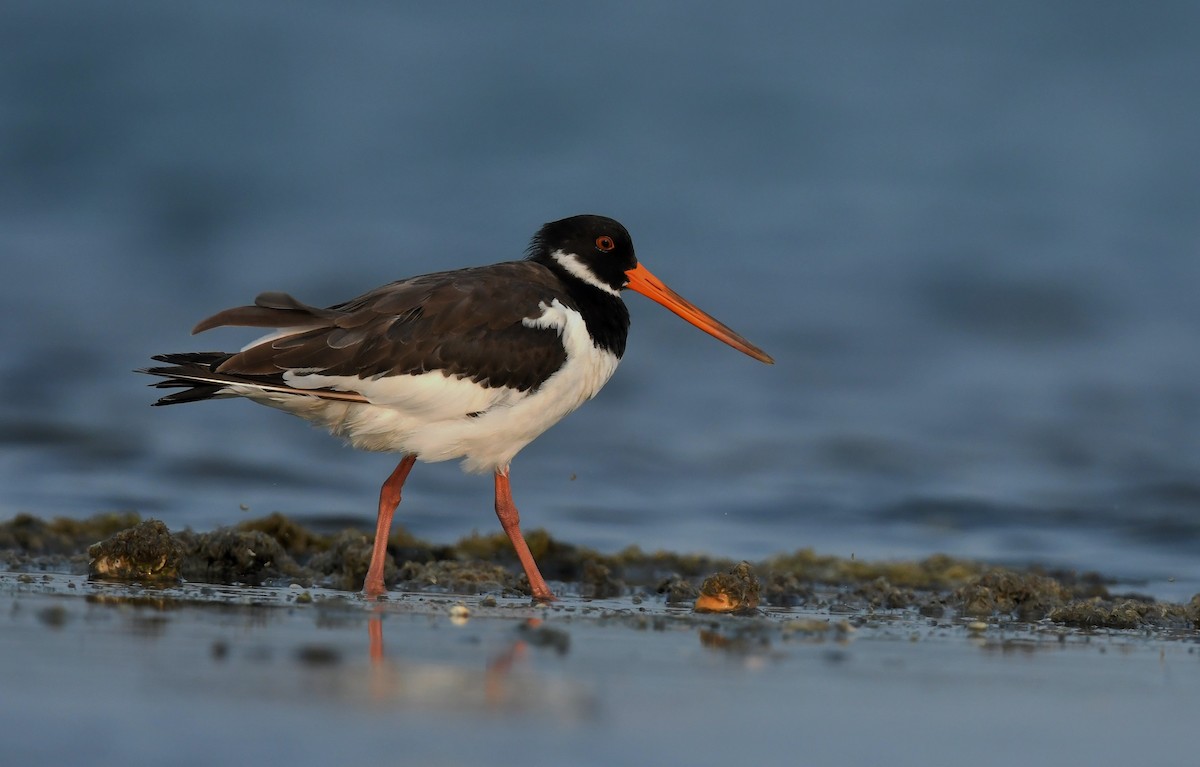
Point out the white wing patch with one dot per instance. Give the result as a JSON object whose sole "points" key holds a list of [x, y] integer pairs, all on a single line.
{"points": [[433, 395]]}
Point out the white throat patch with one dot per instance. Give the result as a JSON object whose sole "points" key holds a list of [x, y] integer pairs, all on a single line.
{"points": [[572, 264]]}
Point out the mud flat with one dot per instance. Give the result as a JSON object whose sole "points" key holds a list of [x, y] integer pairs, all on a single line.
{"points": [[820, 661]]}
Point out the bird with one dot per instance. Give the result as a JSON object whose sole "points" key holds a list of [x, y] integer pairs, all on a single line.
{"points": [[470, 364]]}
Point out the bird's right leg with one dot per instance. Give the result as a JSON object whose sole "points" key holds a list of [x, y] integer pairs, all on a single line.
{"points": [[510, 520], [389, 499]]}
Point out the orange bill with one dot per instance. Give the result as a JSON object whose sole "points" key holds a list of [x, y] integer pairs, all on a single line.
{"points": [[642, 281]]}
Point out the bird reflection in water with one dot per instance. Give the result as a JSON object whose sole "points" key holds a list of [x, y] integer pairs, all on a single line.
{"points": [[500, 686]]}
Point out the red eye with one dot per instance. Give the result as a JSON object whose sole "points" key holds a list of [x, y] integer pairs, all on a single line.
{"points": [[604, 242]]}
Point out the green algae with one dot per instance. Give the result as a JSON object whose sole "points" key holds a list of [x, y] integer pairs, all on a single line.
{"points": [[1023, 595], [297, 540], [228, 555], [470, 577], [276, 550], [61, 536], [936, 572], [678, 590], [1126, 613], [597, 581], [343, 560]]}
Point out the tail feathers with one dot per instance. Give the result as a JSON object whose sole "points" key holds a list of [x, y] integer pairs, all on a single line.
{"points": [[195, 373], [209, 361], [192, 372], [194, 391]]}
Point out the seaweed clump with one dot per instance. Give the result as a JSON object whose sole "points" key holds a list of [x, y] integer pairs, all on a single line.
{"points": [[235, 556], [1128, 613], [146, 552], [733, 592]]}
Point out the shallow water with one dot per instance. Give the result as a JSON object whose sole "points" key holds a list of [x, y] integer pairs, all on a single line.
{"points": [[968, 235], [204, 675]]}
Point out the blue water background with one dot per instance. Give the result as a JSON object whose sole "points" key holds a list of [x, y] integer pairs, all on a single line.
{"points": [[968, 232]]}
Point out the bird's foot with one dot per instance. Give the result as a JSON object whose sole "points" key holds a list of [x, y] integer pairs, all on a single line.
{"points": [[374, 589]]}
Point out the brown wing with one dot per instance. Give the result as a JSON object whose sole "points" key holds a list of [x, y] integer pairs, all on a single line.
{"points": [[466, 323]]}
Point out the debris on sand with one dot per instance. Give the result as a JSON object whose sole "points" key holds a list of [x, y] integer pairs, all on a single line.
{"points": [[733, 592]]}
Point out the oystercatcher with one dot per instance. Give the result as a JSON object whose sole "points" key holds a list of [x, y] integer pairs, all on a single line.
{"points": [[471, 364]]}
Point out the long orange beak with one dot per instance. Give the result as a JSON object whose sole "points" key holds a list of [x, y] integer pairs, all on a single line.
{"points": [[642, 281]]}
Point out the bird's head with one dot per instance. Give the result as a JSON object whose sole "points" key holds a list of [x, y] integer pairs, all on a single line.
{"points": [[599, 252]]}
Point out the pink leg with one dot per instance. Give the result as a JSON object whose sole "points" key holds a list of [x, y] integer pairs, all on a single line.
{"points": [[389, 499], [510, 520]]}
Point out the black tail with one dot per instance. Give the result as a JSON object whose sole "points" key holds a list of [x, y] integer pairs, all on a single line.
{"points": [[194, 372], [197, 374]]}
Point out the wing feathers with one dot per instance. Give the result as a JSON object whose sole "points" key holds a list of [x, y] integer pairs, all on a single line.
{"points": [[270, 310], [468, 324]]}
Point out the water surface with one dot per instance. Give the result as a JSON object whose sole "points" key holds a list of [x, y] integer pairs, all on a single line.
{"points": [[968, 234]]}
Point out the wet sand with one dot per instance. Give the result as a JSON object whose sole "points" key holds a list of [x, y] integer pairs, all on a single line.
{"points": [[119, 673]]}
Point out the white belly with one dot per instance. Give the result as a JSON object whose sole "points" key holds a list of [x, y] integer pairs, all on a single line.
{"points": [[427, 414]]}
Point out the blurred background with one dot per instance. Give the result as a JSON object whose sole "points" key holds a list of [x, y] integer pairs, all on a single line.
{"points": [[968, 233]]}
